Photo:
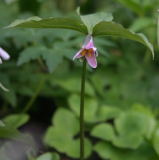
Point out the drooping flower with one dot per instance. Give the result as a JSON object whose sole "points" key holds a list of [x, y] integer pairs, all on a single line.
{"points": [[89, 51], [4, 55]]}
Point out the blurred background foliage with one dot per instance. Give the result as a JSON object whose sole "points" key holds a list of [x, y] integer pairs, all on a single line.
{"points": [[122, 93]]}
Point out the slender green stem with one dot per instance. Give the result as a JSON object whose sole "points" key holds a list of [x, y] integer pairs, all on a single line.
{"points": [[82, 111], [38, 89]]}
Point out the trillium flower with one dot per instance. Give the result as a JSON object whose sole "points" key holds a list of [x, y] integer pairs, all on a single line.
{"points": [[4, 55], [89, 51]]}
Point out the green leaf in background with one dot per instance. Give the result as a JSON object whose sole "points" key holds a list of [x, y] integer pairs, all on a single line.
{"points": [[141, 23], [74, 147], [92, 19], [16, 120], [72, 85], [128, 141], [114, 29], [49, 156], [31, 53], [14, 134], [108, 151], [152, 123], [155, 141], [51, 57], [131, 123], [90, 109], [133, 5], [66, 121], [103, 131], [93, 112], [107, 112], [61, 135], [63, 23]]}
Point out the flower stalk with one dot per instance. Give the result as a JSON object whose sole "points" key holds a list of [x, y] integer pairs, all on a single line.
{"points": [[82, 111]]}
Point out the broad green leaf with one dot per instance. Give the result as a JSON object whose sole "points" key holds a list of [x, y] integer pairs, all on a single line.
{"points": [[11, 97], [73, 84], [63, 23], [2, 124], [16, 120], [61, 135], [108, 151], [133, 5], [131, 123], [146, 110], [31, 53], [155, 141], [103, 131], [14, 134], [90, 108], [152, 123], [58, 138], [104, 149], [128, 141], [66, 121], [49, 156], [52, 58], [114, 29], [141, 23], [92, 19], [107, 112], [73, 149]]}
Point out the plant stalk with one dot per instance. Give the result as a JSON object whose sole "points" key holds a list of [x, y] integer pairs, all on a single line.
{"points": [[82, 111], [38, 89]]}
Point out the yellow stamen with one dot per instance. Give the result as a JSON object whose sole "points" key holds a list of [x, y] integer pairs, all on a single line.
{"points": [[89, 53], [83, 52]]}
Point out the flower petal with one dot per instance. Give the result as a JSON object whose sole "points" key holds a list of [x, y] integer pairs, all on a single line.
{"points": [[4, 54], [78, 54], [0, 61], [91, 45], [91, 60]]}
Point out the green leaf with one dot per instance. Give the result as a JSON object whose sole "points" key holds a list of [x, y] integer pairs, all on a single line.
{"points": [[63, 23], [61, 135], [52, 59], [108, 151], [73, 149], [131, 123], [155, 141], [92, 19], [14, 134], [103, 131], [58, 138], [16, 120], [72, 85], [51, 56], [30, 53], [114, 29], [49, 156], [141, 23], [66, 121], [152, 123], [104, 149], [107, 112], [133, 5], [128, 141], [90, 109]]}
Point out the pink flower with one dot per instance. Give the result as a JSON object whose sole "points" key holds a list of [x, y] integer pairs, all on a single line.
{"points": [[89, 51], [4, 55]]}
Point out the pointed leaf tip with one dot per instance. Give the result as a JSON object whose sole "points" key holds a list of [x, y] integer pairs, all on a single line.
{"points": [[114, 29]]}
